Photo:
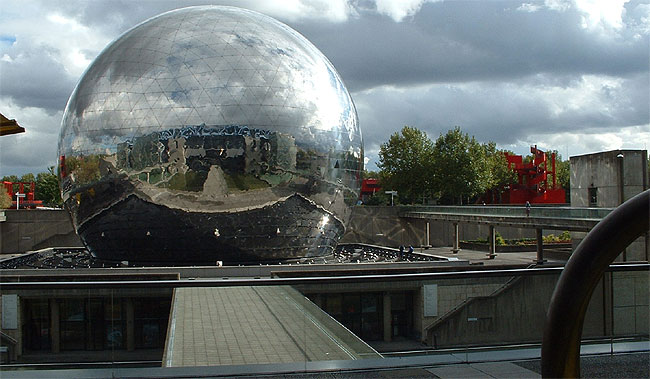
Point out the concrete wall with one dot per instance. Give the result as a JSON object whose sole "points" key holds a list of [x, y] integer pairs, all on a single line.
{"points": [[383, 226], [502, 310], [33, 229], [631, 302], [602, 172], [513, 314]]}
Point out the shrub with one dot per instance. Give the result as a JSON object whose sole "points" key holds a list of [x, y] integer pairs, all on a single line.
{"points": [[565, 236], [551, 238], [498, 240], [5, 200]]}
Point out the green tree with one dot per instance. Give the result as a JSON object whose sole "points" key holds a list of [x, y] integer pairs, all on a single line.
{"points": [[27, 178], [460, 168], [365, 174], [498, 174], [406, 164], [10, 178], [563, 172], [47, 187]]}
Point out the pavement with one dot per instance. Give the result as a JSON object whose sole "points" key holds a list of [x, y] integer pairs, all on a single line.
{"points": [[483, 370], [254, 325], [481, 258]]}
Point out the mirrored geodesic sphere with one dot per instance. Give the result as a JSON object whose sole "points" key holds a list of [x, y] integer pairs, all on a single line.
{"points": [[210, 133]]}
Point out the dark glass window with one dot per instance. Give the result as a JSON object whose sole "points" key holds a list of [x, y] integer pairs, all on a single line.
{"points": [[114, 324], [73, 324], [151, 317], [36, 327], [333, 304]]}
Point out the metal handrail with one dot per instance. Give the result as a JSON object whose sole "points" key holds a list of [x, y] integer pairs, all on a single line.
{"points": [[231, 282], [581, 274]]}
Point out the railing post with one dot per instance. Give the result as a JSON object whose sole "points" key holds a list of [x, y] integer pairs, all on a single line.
{"points": [[493, 243], [455, 249], [540, 246]]}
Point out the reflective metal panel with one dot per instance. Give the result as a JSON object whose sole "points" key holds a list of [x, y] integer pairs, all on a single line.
{"points": [[210, 133]]}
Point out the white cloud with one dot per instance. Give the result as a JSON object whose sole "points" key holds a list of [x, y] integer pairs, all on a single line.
{"points": [[399, 9], [601, 14], [529, 7], [294, 10], [588, 113], [595, 15], [34, 150], [586, 142], [558, 5], [67, 41]]}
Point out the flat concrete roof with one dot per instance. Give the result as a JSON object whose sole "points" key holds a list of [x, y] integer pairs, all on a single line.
{"points": [[254, 325]]}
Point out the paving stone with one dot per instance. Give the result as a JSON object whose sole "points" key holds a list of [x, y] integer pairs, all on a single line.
{"points": [[249, 325]]}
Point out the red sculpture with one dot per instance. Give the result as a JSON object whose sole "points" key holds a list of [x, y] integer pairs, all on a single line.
{"points": [[536, 181]]}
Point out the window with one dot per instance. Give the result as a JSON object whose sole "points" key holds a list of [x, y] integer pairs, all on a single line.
{"points": [[593, 196], [151, 317], [73, 325], [37, 325], [114, 328]]}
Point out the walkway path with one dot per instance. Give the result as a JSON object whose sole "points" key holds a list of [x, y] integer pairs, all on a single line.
{"points": [[254, 325]]}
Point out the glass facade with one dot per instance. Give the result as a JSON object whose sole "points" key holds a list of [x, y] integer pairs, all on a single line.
{"points": [[219, 134], [95, 323], [363, 313], [329, 319], [37, 325]]}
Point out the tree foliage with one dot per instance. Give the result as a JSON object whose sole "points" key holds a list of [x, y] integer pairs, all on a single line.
{"points": [[406, 164], [454, 169], [465, 168], [5, 200], [562, 169], [499, 174], [47, 187]]}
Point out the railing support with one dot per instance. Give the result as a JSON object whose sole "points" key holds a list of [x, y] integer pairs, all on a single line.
{"points": [[539, 237], [493, 243], [566, 313], [456, 245]]}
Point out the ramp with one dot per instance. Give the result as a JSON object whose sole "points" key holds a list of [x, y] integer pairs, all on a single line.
{"points": [[254, 325]]}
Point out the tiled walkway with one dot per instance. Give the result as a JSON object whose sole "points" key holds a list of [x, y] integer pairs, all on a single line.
{"points": [[253, 325], [483, 370]]}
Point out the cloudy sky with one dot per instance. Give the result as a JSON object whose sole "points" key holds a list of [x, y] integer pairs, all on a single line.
{"points": [[568, 75]]}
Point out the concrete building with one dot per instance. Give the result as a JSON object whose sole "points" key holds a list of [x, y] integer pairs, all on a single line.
{"points": [[422, 305], [606, 180]]}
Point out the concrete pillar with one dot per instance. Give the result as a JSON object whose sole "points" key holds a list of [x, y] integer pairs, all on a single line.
{"points": [[493, 243], [55, 326], [130, 325], [608, 305], [540, 246], [388, 318], [621, 190], [456, 248], [428, 236]]}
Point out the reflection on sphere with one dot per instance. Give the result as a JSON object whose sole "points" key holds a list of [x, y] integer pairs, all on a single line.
{"points": [[210, 134]]}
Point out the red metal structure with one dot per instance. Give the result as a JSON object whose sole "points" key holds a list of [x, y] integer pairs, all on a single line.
{"points": [[536, 181], [368, 188], [28, 200]]}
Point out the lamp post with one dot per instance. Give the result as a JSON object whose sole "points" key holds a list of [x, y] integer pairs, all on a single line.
{"points": [[18, 196], [392, 196]]}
